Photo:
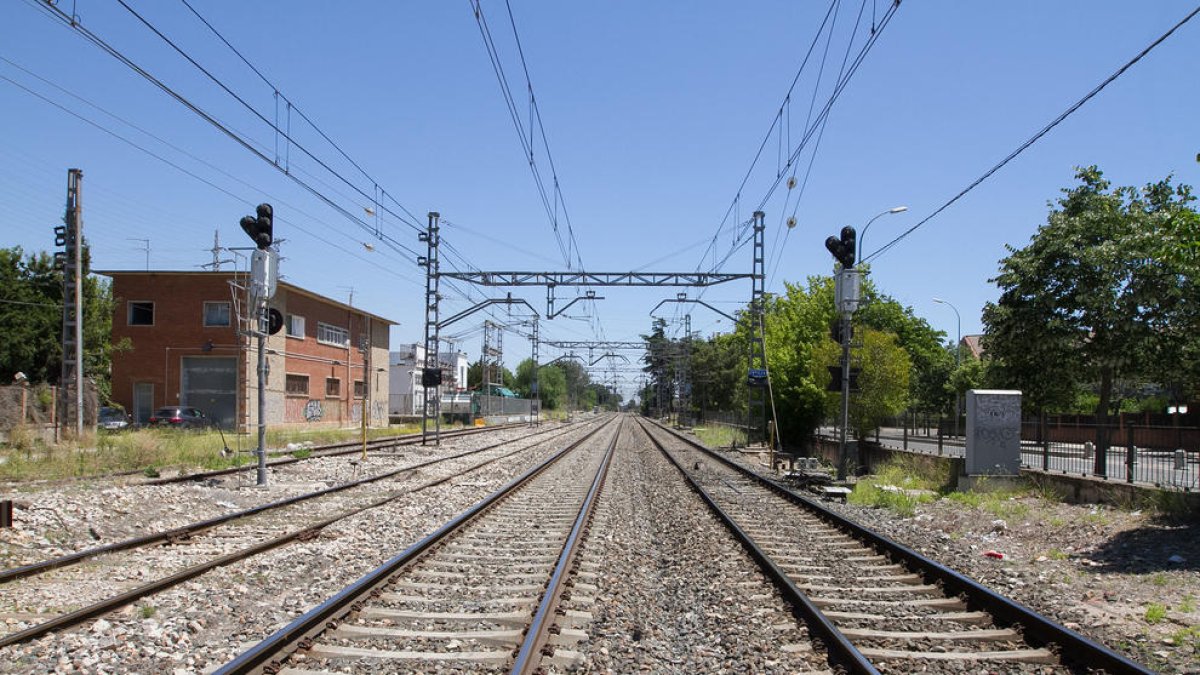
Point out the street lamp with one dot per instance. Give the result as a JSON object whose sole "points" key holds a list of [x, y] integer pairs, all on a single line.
{"points": [[957, 356], [863, 237]]}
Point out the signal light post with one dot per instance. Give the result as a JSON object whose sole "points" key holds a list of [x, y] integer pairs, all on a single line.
{"points": [[846, 294], [264, 273]]}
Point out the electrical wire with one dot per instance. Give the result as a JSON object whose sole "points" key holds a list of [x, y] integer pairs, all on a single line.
{"points": [[96, 40], [1036, 137]]}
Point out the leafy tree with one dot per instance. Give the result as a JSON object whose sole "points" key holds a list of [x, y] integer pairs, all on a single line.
{"points": [[1105, 290], [932, 363], [31, 296], [660, 367], [718, 366], [552, 384], [475, 376], [883, 380]]}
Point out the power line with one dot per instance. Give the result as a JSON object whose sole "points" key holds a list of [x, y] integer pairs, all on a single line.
{"points": [[817, 123], [96, 40], [293, 106], [178, 167], [1037, 136]]}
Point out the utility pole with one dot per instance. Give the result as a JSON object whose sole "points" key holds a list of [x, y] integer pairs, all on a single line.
{"points": [[70, 237], [431, 374]]}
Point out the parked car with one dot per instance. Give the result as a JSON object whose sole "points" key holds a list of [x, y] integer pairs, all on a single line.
{"points": [[179, 417], [113, 419]]}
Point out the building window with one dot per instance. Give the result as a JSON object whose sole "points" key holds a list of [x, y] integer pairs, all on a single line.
{"points": [[333, 387], [329, 334], [359, 389], [141, 313], [297, 385], [216, 314], [295, 326]]}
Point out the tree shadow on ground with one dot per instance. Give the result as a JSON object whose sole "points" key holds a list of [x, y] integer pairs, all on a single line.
{"points": [[1161, 546]]}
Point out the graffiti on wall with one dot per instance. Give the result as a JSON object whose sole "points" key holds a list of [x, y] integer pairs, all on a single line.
{"points": [[313, 412]]}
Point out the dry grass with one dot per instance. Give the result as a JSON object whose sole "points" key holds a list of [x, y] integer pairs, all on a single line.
{"points": [[25, 457]]}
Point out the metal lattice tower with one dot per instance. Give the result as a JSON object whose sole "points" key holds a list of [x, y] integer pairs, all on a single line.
{"points": [[433, 364], [71, 382], [756, 424], [535, 404], [685, 377]]}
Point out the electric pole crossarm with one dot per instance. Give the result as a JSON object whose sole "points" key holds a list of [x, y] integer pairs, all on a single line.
{"points": [[594, 278], [486, 303], [551, 312], [698, 302]]}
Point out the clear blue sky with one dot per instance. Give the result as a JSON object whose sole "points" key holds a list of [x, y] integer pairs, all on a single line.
{"points": [[653, 112]]}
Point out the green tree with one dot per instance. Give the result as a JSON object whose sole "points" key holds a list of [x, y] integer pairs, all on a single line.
{"points": [[932, 363], [884, 371], [552, 384], [31, 296], [718, 367], [1104, 291], [475, 376]]}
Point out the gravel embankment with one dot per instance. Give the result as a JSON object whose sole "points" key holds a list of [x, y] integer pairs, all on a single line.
{"points": [[209, 620]]}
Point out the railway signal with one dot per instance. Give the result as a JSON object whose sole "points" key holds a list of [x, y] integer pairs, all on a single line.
{"points": [[843, 249], [260, 227]]}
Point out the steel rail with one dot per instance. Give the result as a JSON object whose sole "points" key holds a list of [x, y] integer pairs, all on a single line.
{"points": [[104, 606], [350, 447], [184, 531], [329, 613], [1038, 630], [842, 653], [528, 658]]}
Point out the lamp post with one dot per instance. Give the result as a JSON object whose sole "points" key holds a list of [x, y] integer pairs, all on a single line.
{"points": [[863, 237], [957, 355]]}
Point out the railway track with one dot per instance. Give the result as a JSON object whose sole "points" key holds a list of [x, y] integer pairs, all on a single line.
{"points": [[877, 606], [183, 553], [480, 593], [321, 451]]}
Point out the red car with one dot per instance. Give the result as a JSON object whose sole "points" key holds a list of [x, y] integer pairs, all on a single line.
{"points": [[179, 418]]}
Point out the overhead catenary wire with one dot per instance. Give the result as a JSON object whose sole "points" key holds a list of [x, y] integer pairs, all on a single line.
{"points": [[184, 170], [812, 127], [414, 224], [1036, 137], [96, 40]]}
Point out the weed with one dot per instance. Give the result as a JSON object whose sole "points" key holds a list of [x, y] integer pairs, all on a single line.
{"points": [[1188, 604], [148, 611], [151, 472], [1189, 635], [867, 493], [302, 453], [1055, 521], [1055, 554], [1155, 612], [1159, 579], [719, 436], [973, 499]]}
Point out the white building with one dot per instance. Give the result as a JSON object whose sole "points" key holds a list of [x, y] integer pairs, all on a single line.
{"points": [[406, 396]]}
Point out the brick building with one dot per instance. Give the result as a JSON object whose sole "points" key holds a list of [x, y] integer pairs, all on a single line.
{"points": [[178, 343]]}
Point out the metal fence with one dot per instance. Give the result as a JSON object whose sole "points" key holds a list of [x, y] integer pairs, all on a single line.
{"points": [[489, 406], [1163, 456]]}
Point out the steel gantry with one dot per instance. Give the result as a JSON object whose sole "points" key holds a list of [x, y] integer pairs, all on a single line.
{"points": [[551, 280]]}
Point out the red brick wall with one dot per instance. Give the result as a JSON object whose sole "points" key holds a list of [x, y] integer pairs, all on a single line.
{"points": [[178, 331]]}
